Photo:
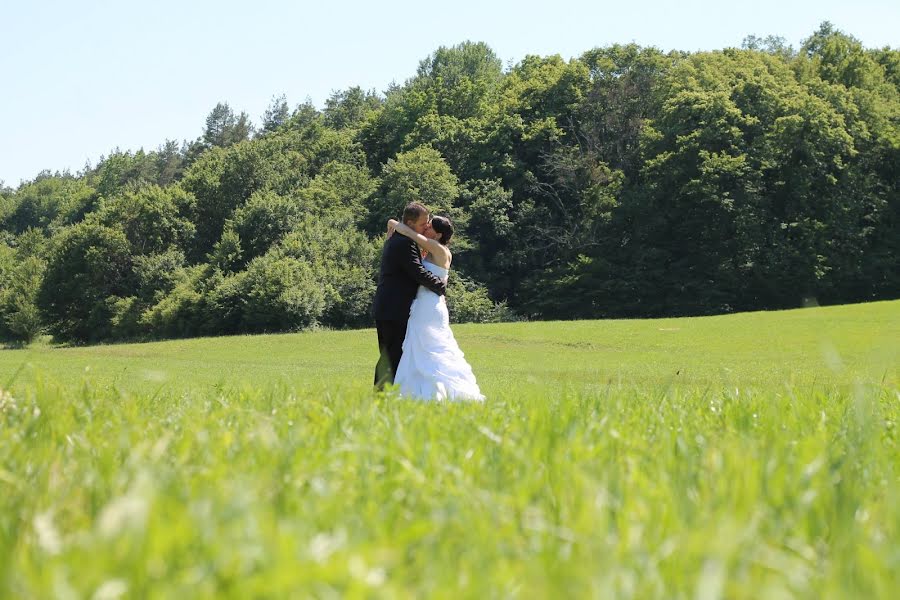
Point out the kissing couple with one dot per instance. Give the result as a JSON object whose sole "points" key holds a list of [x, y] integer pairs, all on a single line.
{"points": [[418, 351]]}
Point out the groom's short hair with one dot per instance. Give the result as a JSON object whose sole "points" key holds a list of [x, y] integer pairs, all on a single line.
{"points": [[413, 212]]}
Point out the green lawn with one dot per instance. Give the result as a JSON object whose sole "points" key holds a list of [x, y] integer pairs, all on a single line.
{"points": [[838, 345], [742, 456]]}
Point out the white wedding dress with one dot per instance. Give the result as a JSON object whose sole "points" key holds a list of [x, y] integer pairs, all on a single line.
{"points": [[432, 366]]}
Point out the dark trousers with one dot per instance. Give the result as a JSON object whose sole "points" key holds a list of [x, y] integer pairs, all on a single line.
{"points": [[390, 347]]}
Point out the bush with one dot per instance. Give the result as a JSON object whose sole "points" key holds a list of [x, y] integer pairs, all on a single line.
{"points": [[88, 262], [19, 313], [182, 311], [352, 307], [157, 274], [124, 318], [275, 293], [344, 257], [468, 302]]}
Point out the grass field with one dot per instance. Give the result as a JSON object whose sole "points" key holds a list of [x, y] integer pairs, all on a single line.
{"points": [[742, 456]]}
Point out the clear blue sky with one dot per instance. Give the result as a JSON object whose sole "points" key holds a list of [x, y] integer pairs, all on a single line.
{"points": [[81, 78]]}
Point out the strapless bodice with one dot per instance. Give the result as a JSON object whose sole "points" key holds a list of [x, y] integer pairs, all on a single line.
{"points": [[439, 271]]}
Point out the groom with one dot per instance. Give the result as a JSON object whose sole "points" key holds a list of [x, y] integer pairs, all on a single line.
{"points": [[400, 276]]}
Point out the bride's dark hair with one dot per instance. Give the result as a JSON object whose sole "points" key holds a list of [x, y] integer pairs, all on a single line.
{"points": [[444, 227]]}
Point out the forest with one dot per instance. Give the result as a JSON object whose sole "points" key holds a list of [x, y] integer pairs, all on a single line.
{"points": [[627, 182]]}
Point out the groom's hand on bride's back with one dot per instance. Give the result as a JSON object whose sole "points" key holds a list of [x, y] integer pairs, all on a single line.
{"points": [[417, 271]]}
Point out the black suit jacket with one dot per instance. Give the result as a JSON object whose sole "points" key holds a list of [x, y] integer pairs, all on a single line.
{"points": [[401, 275]]}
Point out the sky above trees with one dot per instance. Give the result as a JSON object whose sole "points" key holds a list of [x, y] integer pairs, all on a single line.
{"points": [[81, 79]]}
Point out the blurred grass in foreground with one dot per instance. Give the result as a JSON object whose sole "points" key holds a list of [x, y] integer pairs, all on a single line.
{"points": [[745, 456]]}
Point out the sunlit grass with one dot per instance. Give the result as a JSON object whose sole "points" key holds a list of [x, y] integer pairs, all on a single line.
{"points": [[751, 456]]}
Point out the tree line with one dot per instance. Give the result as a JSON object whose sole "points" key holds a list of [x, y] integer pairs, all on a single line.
{"points": [[627, 182]]}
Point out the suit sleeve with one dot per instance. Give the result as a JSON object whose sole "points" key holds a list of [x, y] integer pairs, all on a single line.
{"points": [[412, 264]]}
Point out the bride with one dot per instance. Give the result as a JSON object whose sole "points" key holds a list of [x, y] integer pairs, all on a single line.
{"points": [[432, 366]]}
